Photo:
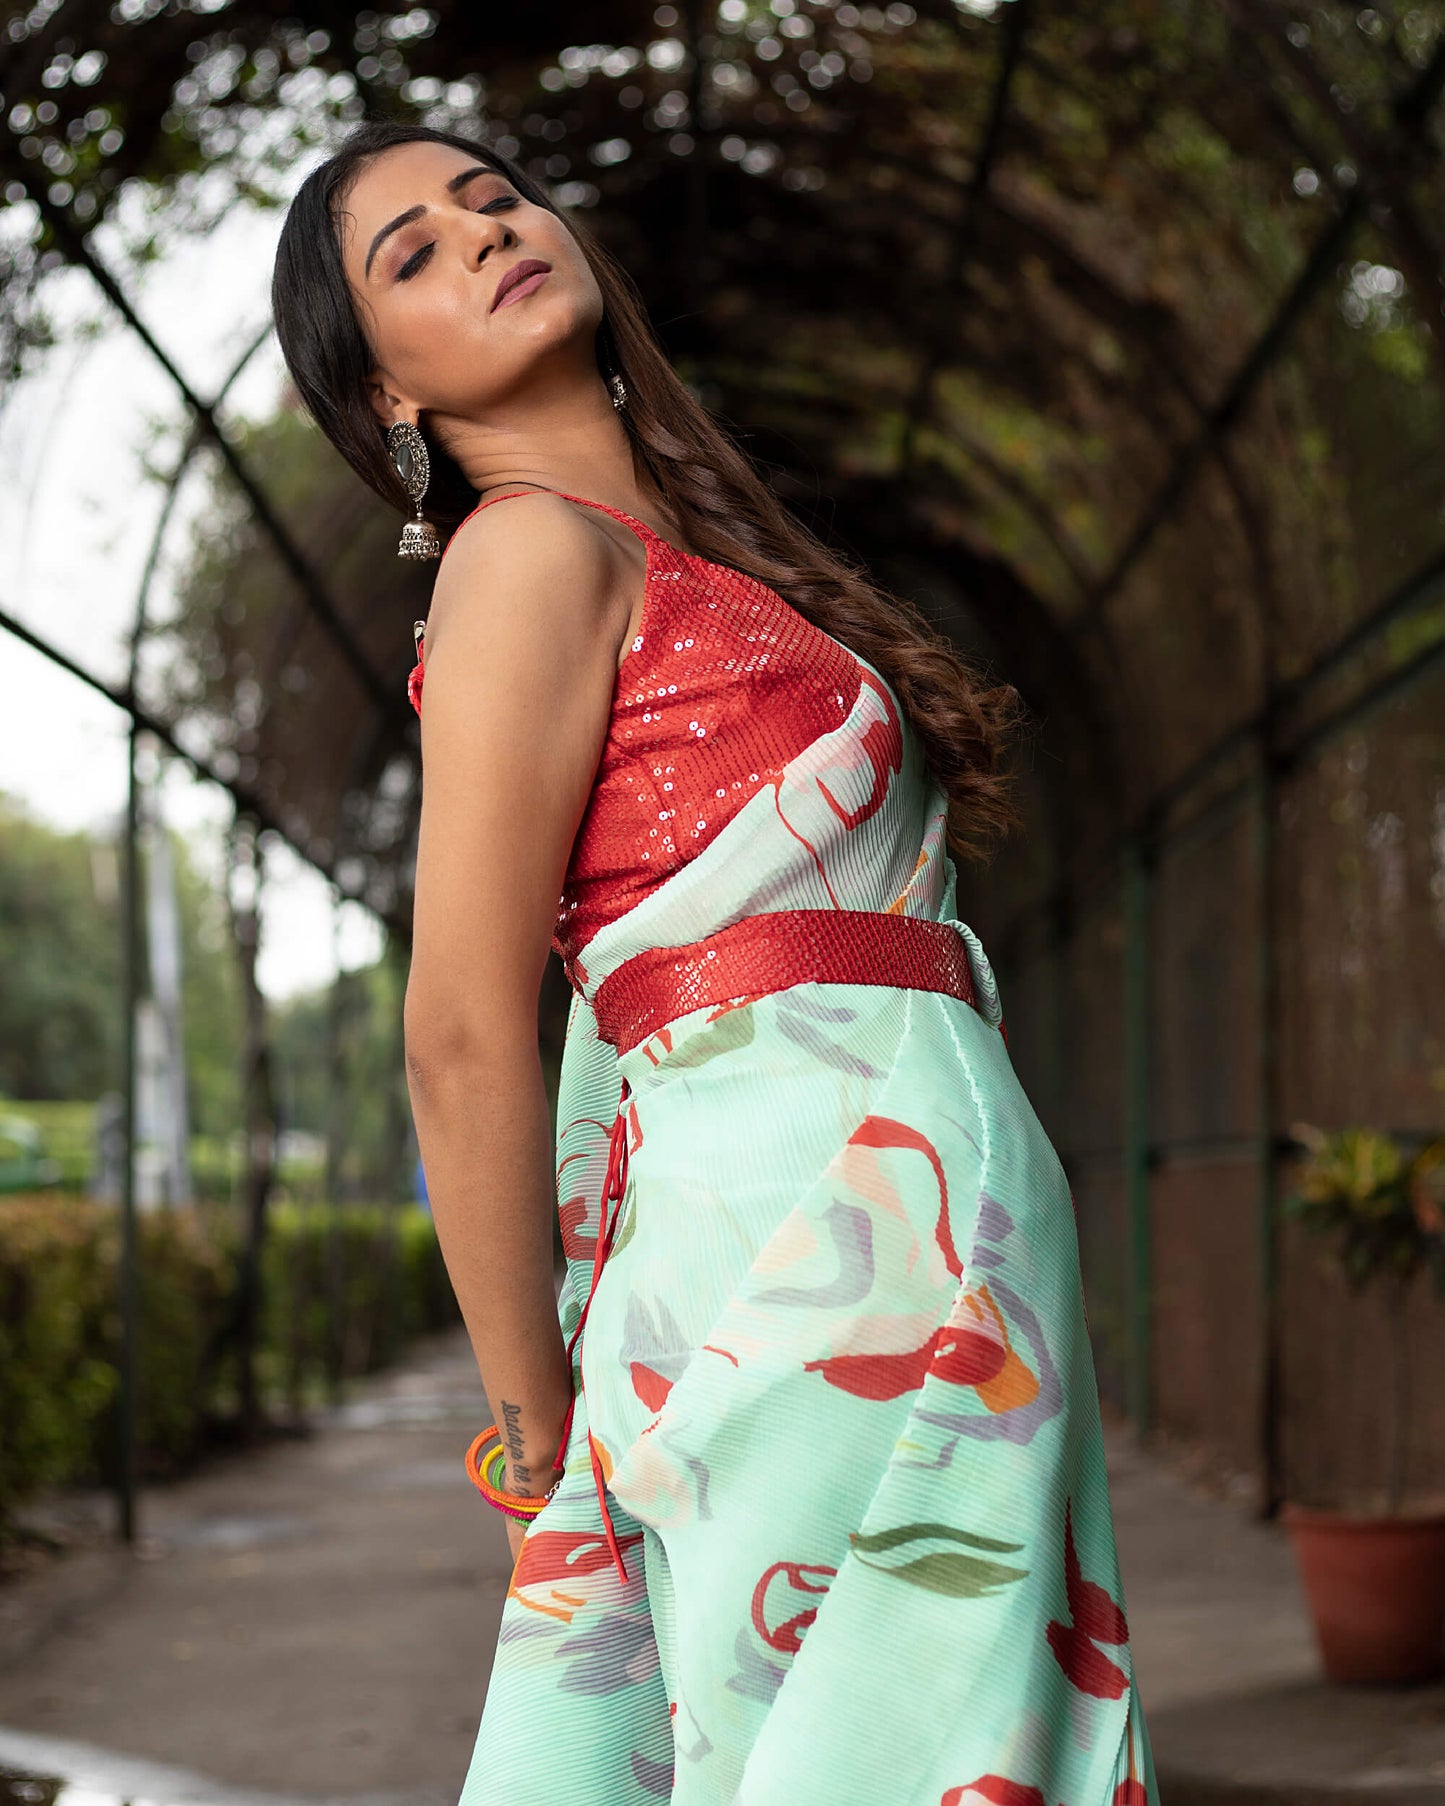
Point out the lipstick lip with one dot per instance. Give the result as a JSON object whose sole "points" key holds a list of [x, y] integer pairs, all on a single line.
{"points": [[519, 272]]}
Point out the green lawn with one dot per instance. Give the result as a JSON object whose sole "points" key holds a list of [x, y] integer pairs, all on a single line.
{"points": [[65, 1135]]}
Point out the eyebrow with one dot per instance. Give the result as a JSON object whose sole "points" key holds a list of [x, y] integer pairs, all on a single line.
{"points": [[456, 183]]}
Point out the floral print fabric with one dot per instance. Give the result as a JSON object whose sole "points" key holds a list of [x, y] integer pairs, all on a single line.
{"points": [[836, 1372]]}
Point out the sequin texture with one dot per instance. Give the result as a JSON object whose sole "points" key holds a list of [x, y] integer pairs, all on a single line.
{"points": [[765, 952], [722, 685]]}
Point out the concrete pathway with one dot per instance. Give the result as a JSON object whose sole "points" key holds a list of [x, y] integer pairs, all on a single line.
{"points": [[314, 1619], [1226, 1665], [314, 1622]]}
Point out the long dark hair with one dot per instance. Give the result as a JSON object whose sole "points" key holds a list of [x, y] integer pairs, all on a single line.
{"points": [[723, 507]]}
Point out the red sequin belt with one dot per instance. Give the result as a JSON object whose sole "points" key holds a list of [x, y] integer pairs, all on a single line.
{"points": [[751, 958]]}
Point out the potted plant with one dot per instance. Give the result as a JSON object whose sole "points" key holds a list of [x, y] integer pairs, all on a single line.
{"points": [[1375, 1581]]}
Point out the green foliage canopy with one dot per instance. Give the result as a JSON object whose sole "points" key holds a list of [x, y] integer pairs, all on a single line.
{"points": [[1116, 330]]}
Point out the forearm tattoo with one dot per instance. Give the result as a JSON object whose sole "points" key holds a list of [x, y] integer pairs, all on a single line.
{"points": [[517, 1468]]}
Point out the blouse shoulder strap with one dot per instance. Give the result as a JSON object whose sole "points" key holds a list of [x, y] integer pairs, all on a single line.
{"points": [[640, 527], [509, 496]]}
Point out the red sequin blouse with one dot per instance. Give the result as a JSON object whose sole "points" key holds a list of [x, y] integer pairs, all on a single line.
{"points": [[722, 686]]}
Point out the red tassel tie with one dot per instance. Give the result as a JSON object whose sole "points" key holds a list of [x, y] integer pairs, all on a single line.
{"points": [[612, 1189]]}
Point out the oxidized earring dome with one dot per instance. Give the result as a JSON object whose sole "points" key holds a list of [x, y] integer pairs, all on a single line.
{"points": [[419, 538]]}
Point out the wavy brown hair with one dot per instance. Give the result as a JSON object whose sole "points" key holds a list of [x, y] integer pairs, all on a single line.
{"points": [[680, 452]]}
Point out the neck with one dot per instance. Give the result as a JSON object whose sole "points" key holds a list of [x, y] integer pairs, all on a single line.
{"points": [[570, 437]]}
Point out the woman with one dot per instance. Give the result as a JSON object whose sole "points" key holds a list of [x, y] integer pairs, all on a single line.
{"points": [[832, 1523]]}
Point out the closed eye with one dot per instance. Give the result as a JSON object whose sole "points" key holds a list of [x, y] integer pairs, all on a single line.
{"points": [[417, 260]]}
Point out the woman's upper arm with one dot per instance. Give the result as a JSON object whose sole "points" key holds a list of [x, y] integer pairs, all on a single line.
{"points": [[521, 667]]}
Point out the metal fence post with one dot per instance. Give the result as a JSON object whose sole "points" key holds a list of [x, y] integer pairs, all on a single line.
{"points": [[127, 1274], [1138, 898]]}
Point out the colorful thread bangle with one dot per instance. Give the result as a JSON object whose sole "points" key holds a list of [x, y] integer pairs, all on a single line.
{"points": [[485, 1471]]}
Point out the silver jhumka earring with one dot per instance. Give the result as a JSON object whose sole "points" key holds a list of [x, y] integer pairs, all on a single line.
{"points": [[619, 390], [419, 538]]}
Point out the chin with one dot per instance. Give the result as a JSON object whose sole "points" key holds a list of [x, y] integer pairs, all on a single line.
{"points": [[541, 315], [545, 335]]}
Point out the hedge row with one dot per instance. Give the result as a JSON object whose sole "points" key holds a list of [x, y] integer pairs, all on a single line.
{"points": [[344, 1290]]}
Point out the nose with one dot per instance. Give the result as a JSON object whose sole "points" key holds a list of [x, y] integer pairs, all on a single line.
{"points": [[489, 234]]}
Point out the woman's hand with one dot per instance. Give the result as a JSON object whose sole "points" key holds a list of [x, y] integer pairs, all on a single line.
{"points": [[516, 1530], [526, 623]]}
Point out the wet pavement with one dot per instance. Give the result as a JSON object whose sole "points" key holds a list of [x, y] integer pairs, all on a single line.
{"points": [[64, 1773], [313, 1622]]}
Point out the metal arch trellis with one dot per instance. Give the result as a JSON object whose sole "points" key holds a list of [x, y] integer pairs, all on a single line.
{"points": [[205, 429], [1015, 30], [978, 194], [1147, 834], [314, 592], [1268, 749], [195, 438], [1410, 112], [1133, 858], [1138, 848], [1131, 863]]}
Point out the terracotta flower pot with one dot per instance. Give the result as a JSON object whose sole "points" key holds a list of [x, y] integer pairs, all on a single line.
{"points": [[1376, 1591]]}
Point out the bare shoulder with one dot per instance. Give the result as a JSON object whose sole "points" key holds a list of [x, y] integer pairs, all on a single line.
{"points": [[529, 568]]}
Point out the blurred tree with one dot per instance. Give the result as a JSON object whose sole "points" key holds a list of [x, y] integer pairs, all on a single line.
{"points": [[210, 997], [340, 1071], [340, 1074], [245, 878], [259, 684], [299, 1034], [60, 971], [59, 962]]}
